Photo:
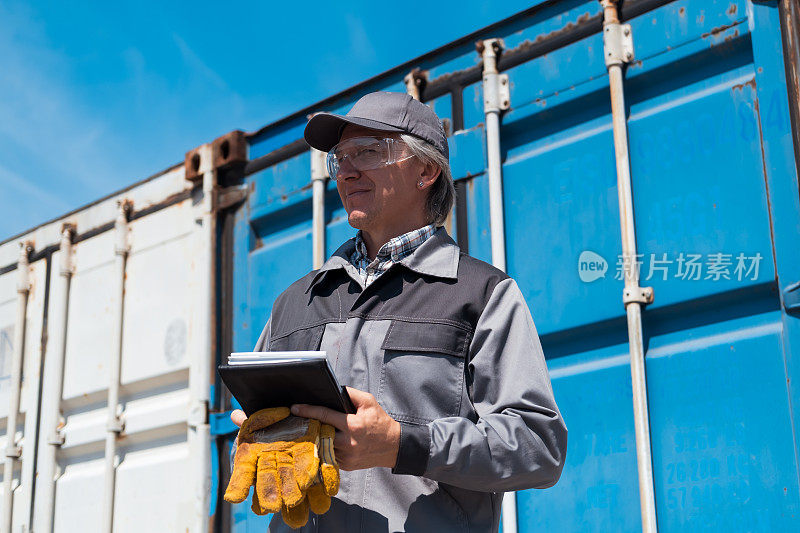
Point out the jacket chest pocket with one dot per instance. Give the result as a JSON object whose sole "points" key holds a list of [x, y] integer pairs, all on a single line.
{"points": [[303, 339], [422, 375]]}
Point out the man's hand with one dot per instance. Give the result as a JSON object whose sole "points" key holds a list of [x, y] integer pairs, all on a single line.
{"points": [[366, 439]]}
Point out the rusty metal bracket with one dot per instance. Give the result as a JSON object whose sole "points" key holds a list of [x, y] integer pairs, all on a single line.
{"points": [[415, 82], [191, 165], [229, 150], [617, 44]]}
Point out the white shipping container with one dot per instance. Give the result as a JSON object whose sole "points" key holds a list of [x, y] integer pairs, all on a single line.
{"points": [[161, 457]]}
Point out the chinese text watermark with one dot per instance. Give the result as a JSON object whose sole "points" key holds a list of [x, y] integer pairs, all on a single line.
{"points": [[682, 266]]}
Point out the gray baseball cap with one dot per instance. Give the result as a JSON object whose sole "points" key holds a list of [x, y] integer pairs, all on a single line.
{"points": [[383, 111]]}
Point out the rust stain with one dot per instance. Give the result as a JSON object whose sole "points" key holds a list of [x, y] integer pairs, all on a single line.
{"points": [[732, 9], [682, 11], [555, 33], [757, 109], [732, 37], [740, 86], [701, 18], [719, 29]]}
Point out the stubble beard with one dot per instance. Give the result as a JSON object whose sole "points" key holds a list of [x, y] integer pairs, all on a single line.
{"points": [[360, 219]]}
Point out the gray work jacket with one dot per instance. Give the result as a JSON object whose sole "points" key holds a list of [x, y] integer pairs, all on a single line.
{"points": [[447, 345]]}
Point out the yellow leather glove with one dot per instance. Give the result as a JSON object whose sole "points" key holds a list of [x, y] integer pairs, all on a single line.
{"points": [[318, 495], [280, 455]]}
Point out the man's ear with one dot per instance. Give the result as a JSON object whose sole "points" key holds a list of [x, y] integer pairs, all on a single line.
{"points": [[428, 174]]}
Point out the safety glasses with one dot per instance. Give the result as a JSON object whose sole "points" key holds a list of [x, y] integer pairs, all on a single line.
{"points": [[365, 153]]}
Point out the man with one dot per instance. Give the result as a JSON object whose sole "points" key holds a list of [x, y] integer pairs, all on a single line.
{"points": [[446, 371]]}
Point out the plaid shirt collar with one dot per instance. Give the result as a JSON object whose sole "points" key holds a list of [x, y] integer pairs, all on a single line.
{"points": [[392, 252], [438, 256]]}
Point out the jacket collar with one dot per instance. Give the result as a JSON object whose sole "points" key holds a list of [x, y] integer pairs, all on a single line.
{"points": [[437, 256]]}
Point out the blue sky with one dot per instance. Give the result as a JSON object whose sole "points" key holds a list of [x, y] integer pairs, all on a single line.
{"points": [[96, 96]]}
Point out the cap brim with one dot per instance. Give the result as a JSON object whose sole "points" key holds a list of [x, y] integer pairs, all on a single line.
{"points": [[324, 129]]}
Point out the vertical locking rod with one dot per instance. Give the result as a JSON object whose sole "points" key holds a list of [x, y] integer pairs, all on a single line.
{"points": [[52, 420], [114, 423], [618, 50], [495, 100], [13, 450], [319, 177]]}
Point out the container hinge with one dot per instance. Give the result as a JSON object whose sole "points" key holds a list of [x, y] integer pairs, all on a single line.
{"points": [[617, 43], [198, 414], [791, 298], [230, 196], [642, 295], [56, 438]]}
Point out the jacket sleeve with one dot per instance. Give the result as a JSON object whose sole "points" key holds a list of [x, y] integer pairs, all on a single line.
{"points": [[262, 344], [519, 440]]}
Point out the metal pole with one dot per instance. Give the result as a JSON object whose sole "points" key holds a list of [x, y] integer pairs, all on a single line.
{"points": [[495, 100], [114, 426], [618, 49], [55, 388], [13, 450], [319, 176], [199, 433]]}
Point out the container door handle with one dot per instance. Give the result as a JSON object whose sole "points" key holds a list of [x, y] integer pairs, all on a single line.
{"points": [[791, 298]]}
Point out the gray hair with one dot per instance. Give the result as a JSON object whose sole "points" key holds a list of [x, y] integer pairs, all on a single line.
{"points": [[443, 193]]}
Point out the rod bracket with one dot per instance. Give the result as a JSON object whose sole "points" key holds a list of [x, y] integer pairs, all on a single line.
{"points": [[641, 295], [116, 424], [123, 244], [496, 93], [617, 43], [14, 451], [415, 82]]}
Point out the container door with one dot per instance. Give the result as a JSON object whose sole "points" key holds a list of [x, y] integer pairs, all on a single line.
{"points": [[716, 213]]}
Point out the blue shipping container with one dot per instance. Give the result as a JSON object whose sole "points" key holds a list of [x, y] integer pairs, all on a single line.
{"points": [[712, 135]]}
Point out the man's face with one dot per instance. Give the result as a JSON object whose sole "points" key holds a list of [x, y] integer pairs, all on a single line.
{"points": [[383, 198]]}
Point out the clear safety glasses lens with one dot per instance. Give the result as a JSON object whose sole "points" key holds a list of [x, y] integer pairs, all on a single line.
{"points": [[363, 153]]}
